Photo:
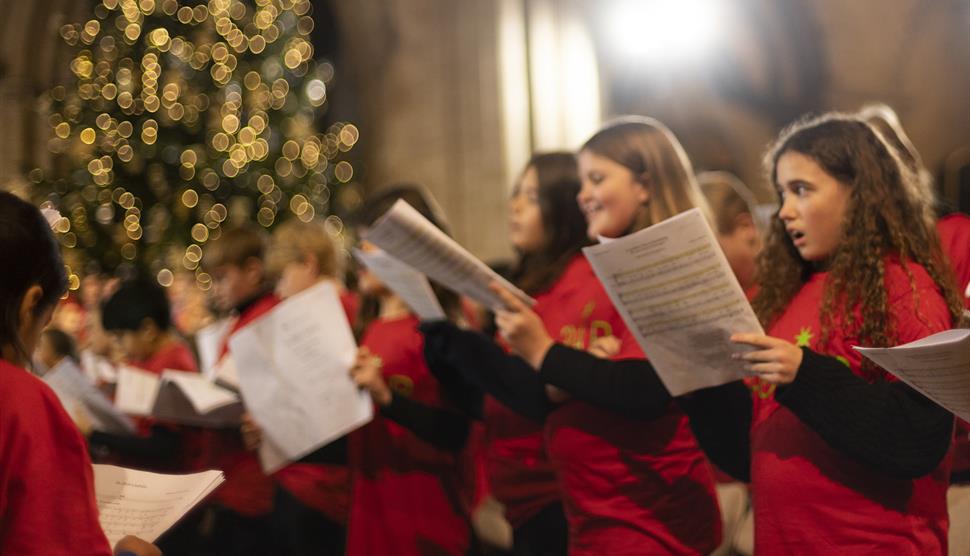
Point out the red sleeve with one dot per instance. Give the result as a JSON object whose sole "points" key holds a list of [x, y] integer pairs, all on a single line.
{"points": [[47, 503]]}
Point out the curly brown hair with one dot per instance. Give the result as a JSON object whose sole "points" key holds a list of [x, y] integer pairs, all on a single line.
{"points": [[883, 219]]}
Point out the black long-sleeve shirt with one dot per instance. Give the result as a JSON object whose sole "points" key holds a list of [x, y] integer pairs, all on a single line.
{"points": [[451, 351], [886, 425], [444, 429]]}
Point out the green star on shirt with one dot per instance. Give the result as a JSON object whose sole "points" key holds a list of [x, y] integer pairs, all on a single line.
{"points": [[804, 338]]}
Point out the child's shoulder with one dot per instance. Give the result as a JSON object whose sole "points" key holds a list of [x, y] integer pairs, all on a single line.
{"points": [[26, 398], [898, 282]]}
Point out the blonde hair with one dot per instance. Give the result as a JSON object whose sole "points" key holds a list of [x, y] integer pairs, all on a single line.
{"points": [[292, 241], [728, 198], [651, 151], [236, 246]]}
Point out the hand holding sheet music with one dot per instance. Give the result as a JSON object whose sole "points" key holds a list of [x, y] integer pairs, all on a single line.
{"points": [[937, 366], [412, 239], [293, 371], [144, 504], [409, 284], [676, 292]]}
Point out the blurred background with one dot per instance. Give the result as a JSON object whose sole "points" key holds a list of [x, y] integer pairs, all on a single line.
{"points": [[452, 94]]}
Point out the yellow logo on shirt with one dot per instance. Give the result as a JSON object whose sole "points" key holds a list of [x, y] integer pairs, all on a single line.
{"points": [[579, 336], [401, 385]]}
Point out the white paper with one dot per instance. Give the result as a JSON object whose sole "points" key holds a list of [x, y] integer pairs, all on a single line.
{"points": [[202, 394], [409, 284], [146, 504], [412, 239], [294, 365], [225, 373], [938, 366], [677, 294], [208, 340], [136, 391], [97, 368], [84, 402]]}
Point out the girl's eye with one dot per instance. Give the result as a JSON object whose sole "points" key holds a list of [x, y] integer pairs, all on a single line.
{"points": [[532, 196], [800, 189], [595, 177]]}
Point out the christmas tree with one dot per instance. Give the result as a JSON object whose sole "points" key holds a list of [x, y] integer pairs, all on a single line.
{"points": [[184, 117]]}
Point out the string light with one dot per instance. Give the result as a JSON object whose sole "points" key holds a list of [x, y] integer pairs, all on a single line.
{"points": [[180, 110]]}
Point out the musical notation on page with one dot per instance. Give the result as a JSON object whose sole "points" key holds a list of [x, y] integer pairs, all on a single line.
{"points": [[938, 366], [676, 292], [143, 504], [293, 366]]}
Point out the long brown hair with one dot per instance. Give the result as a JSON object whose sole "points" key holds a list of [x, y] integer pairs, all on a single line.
{"points": [[562, 222], [651, 151], [878, 224]]}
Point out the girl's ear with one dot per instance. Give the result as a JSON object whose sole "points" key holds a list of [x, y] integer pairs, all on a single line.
{"points": [[28, 306], [643, 188]]}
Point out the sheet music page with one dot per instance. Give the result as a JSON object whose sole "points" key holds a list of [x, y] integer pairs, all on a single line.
{"points": [[226, 374], [208, 340], [294, 366], [144, 504], [412, 286], [412, 239], [136, 391], [937, 366], [97, 368], [77, 393], [676, 292], [202, 394]]}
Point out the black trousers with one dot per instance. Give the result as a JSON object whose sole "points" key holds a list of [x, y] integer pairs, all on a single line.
{"points": [[546, 534]]}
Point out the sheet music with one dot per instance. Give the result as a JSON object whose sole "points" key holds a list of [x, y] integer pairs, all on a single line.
{"points": [[202, 394], [97, 368], [144, 504], [208, 340], [294, 368], [412, 239], [412, 286], [937, 366], [83, 401], [226, 374], [676, 292], [136, 391]]}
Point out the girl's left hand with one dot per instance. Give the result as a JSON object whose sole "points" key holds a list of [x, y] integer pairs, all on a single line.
{"points": [[522, 328], [776, 362], [366, 373]]}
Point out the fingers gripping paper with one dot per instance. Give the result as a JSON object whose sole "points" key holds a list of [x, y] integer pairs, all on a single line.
{"points": [[294, 366], [676, 292], [937, 366], [412, 239]]}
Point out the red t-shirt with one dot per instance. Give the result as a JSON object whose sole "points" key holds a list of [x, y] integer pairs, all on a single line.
{"points": [[323, 487], [407, 494], [177, 356], [174, 355], [47, 503], [519, 472], [628, 487], [809, 498], [247, 490], [954, 232]]}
